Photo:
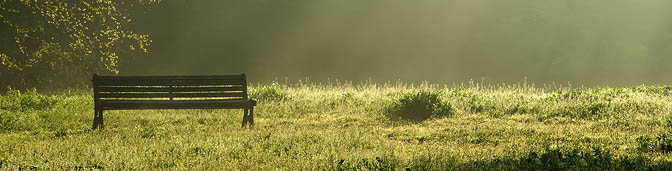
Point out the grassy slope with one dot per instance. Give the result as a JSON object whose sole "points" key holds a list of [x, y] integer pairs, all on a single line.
{"points": [[343, 126]]}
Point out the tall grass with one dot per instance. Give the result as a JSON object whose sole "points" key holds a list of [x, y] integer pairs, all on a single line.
{"points": [[344, 126]]}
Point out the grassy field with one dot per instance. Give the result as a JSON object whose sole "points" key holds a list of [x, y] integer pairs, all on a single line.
{"points": [[353, 127]]}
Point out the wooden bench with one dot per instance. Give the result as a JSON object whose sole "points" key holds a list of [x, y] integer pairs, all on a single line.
{"points": [[171, 92]]}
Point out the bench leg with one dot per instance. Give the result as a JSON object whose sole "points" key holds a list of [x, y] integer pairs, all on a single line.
{"points": [[248, 117], [98, 119], [95, 119], [244, 118], [102, 124], [251, 119]]}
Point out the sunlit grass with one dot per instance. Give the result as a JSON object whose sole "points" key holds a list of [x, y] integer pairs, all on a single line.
{"points": [[345, 126]]}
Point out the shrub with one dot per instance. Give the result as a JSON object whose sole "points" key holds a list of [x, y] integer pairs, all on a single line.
{"points": [[271, 92], [16, 106], [662, 143], [644, 144], [418, 106], [15, 100], [379, 163], [595, 158], [582, 110], [471, 101], [339, 101], [576, 159], [668, 121], [6, 120], [654, 90]]}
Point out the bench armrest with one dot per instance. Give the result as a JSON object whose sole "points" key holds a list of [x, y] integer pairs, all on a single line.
{"points": [[254, 100]]}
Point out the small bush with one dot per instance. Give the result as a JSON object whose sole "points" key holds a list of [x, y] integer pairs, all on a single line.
{"points": [[582, 110], [148, 133], [339, 101], [17, 101], [14, 105], [271, 92], [473, 102], [644, 144], [379, 163], [6, 120], [418, 106], [654, 90], [668, 121], [662, 143], [595, 159]]}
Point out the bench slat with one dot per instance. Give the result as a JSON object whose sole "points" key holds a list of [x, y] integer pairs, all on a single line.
{"points": [[168, 89], [182, 77], [167, 95], [163, 82], [178, 104]]}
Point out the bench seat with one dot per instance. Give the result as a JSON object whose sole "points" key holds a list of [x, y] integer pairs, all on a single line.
{"points": [[175, 104]]}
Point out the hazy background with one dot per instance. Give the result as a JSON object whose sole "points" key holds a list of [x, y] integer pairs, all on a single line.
{"points": [[585, 42]]}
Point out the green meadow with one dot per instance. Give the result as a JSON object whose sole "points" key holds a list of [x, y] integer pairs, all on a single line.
{"points": [[345, 126]]}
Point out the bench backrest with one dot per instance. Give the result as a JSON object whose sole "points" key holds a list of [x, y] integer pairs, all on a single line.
{"points": [[163, 88]]}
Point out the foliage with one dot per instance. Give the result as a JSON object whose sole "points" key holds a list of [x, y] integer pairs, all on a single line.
{"points": [[268, 93], [418, 106], [668, 121], [45, 42], [645, 144], [662, 143], [576, 159], [17, 101], [6, 120], [550, 159], [660, 90]]}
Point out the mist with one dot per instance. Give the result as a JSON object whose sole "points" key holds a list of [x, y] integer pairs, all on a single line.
{"points": [[581, 42]]}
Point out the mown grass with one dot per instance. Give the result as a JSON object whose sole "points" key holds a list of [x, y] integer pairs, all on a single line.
{"points": [[353, 127]]}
